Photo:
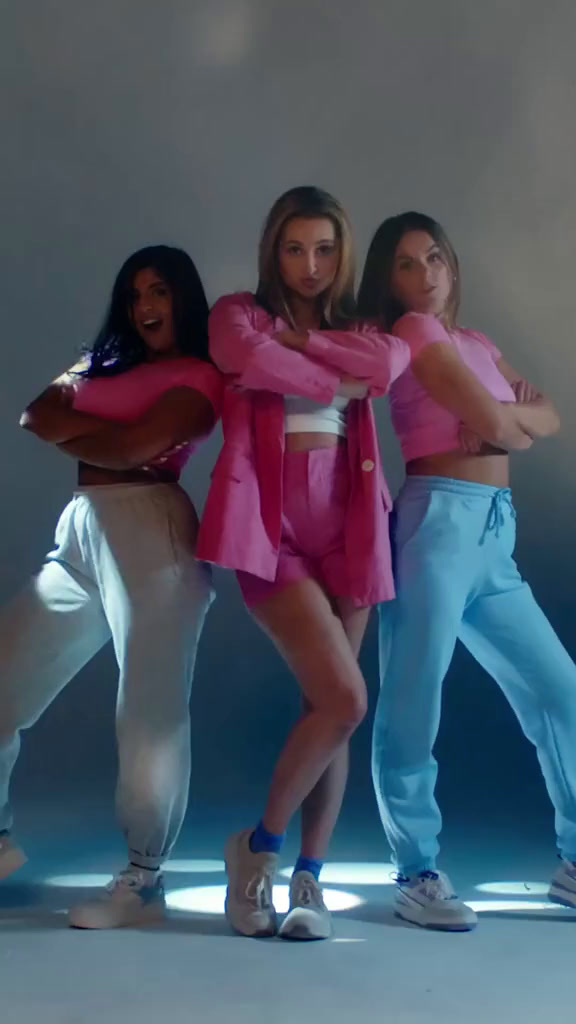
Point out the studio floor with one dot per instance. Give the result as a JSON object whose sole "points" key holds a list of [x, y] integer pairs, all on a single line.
{"points": [[517, 966]]}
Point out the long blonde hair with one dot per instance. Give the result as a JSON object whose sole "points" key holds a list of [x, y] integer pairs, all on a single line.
{"points": [[309, 202]]}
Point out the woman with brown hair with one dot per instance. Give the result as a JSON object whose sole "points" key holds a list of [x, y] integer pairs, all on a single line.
{"points": [[456, 578]]}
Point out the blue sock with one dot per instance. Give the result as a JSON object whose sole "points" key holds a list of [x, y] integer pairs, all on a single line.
{"points": [[309, 864], [263, 841]]}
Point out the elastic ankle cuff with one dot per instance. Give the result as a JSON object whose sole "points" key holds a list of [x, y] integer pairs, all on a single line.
{"points": [[145, 863], [413, 870]]}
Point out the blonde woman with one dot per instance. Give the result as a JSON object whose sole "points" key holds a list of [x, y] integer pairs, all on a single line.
{"points": [[299, 508]]}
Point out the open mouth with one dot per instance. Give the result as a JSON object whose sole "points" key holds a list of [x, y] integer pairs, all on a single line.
{"points": [[151, 324]]}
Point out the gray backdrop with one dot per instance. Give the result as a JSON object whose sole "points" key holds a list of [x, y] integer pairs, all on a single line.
{"points": [[130, 123]]}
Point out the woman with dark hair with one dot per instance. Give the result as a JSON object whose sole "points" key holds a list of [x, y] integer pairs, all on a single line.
{"points": [[120, 343], [124, 565], [299, 508], [453, 541]]}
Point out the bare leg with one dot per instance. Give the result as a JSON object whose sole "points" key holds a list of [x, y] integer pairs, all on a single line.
{"points": [[314, 643], [321, 807]]}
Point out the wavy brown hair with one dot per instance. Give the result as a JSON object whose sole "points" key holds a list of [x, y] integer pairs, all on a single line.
{"points": [[309, 202], [376, 300]]}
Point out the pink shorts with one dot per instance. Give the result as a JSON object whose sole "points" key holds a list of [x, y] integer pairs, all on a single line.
{"points": [[316, 491]]}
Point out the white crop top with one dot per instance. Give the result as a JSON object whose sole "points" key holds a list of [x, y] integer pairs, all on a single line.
{"points": [[303, 415]]}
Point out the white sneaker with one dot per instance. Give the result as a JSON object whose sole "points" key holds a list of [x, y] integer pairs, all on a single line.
{"points": [[11, 856], [249, 907], [132, 898], [563, 885], [429, 900], [308, 917]]}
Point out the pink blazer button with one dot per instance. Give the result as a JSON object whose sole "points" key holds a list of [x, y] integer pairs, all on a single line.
{"points": [[368, 465]]}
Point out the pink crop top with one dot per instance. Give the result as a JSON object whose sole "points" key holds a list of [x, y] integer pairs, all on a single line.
{"points": [[423, 427], [123, 399]]}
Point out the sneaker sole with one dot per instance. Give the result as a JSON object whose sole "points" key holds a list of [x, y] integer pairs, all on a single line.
{"points": [[303, 931], [11, 862], [267, 932], [556, 896], [437, 927], [147, 916], [300, 933]]}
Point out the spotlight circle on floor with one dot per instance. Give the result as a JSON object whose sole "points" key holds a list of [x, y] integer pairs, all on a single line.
{"points": [[209, 899], [514, 888], [79, 881], [513, 906]]}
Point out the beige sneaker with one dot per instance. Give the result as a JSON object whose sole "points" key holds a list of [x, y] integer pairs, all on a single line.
{"points": [[249, 907], [308, 917], [429, 900], [131, 899], [11, 856], [563, 885]]}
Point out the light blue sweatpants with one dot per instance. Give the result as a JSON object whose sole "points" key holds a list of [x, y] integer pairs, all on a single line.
{"points": [[123, 568], [456, 578]]}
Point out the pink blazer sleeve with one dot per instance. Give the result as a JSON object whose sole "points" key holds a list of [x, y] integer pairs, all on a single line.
{"points": [[260, 363], [368, 355]]}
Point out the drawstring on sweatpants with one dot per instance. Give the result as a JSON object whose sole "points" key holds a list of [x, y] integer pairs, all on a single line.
{"points": [[501, 500]]}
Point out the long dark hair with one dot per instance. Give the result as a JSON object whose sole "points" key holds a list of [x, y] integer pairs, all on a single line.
{"points": [[375, 298], [310, 202], [118, 346]]}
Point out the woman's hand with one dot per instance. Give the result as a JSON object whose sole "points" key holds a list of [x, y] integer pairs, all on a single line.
{"points": [[351, 387], [296, 340], [473, 444], [524, 392], [470, 441], [168, 454]]}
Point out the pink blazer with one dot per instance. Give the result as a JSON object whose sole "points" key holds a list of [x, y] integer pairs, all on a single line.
{"points": [[242, 521]]}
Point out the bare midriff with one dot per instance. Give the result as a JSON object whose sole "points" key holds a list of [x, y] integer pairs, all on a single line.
{"points": [[490, 467], [307, 441], [94, 476]]}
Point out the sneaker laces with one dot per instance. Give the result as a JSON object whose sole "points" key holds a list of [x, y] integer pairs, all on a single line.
{"points": [[434, 886], [307, 893], [129, 879], [430, 884], [259, 889]]}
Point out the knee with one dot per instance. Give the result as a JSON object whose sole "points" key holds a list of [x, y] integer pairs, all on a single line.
{"points": [[348, 708]]}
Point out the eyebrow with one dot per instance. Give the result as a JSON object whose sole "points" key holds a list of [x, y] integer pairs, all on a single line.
{"points": [[134, 292], [408, 256], [321, 241]]}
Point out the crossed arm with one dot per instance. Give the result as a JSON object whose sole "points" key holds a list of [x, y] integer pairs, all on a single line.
{"points": [[320, 364], [179, 416], [444, 375]]}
